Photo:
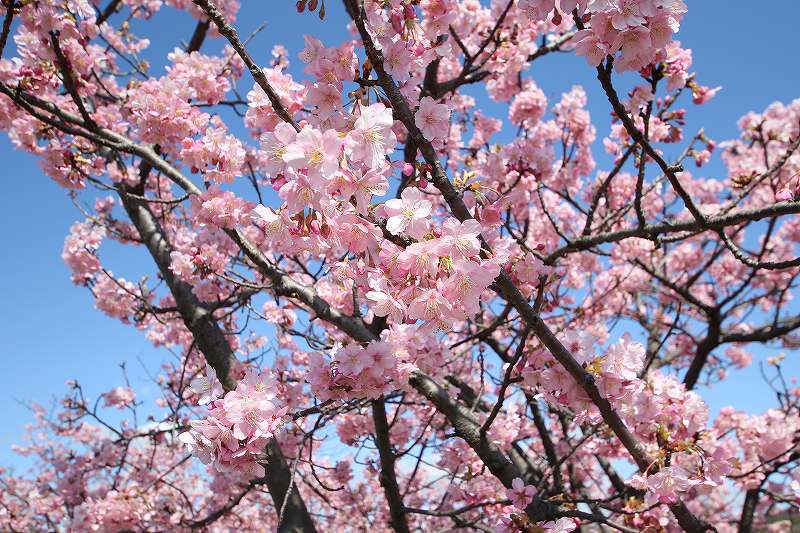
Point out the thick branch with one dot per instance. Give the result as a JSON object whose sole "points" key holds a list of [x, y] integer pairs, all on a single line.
{"points": [[110, 9], [748, 511], [765, 333], [209, 337], [704, 349], [295, 517], [69, 81], [716, 222], [198, 36], [468, 429], [6, 30], [388, 478], [211, 341]]}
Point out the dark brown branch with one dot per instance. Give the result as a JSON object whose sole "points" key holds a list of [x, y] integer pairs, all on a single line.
{"points": [[748, 511], [7, 20], [198, 320], [227, 31], [555, 46], [468, 429], [388, 478], [222, 511], [501, 394], [69, 82], [767, 265], [604, 75], [704, 349], [712, 222], [211, 341], [110, 9], [765, 333], [547, 442], [198, 36], [295, 518]]}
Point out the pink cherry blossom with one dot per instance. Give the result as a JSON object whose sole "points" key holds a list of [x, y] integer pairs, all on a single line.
{"points": [[372, 137], [321, 152], [397, 60], [432, 119], [383, 304], [460, 239], [562, 525], [520, 494], [280, 149], [408, 214], [327, 98], [119, 397], [429, 305], [206, 386]]}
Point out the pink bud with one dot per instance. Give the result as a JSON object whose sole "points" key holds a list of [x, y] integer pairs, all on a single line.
{"points": [[422, 183], [437, 232], [397, 20], [278, 181], [408, 11], [408, 169], [490, 216]]}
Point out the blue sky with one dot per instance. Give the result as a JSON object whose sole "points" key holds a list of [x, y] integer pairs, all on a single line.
{"points": [[51, 331]]}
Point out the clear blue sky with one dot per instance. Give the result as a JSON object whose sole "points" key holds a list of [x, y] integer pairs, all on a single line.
{"points": [[50, 330]]}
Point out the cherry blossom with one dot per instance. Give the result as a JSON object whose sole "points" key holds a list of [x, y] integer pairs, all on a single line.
{"points": [[520, 494], [372, 137], [119, 397], [432, 119], [408, 214]]}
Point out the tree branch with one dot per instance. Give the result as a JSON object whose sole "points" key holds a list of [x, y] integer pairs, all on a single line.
{"points": [[388, 478]]}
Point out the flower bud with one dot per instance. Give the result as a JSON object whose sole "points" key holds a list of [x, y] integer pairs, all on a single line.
{"points": [[278, 181], [396, 17]]}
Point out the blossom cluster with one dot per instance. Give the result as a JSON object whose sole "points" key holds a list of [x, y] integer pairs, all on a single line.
{"points": [[354, 372], [637, 29], [232, 436]]}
